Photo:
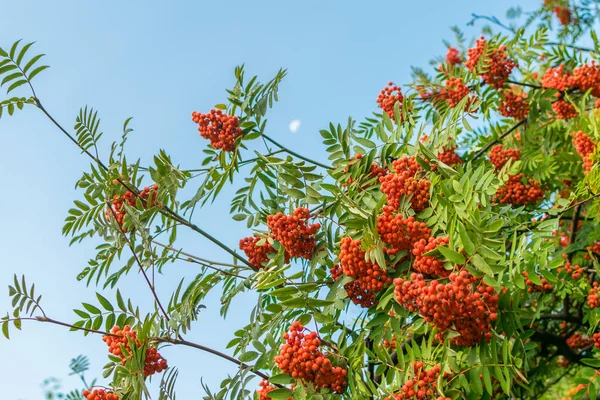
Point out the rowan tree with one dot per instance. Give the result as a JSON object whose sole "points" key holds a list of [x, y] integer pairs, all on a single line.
{"points": [[458, 224]]}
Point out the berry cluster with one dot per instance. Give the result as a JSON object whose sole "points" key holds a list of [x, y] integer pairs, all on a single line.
{"points": [[117, 210], [465, 305], [533, 288], [453, 56], [587, 77], [390, 95], [498, 67], [423, 385], [594, 296], [454, 92], [100, 394], [221, 129], [256, 254], [404, 182], [556, 78], [369, 278], [448, 156], [574, 270], [398, 232], [499, 156], [578, 341], [514, 105], [119, 340], [355, 290], [301, 358], [596, 339], [564, 110], [517, 193], [375, 171], [293, 232], [585, 147], [563, 14], [429, 265], [266, 387]]}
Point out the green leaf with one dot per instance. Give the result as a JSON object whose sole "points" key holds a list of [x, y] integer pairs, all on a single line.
{"points": [[91, 308], [280, 394], [451, 255], [5, 329], [248, 356], [105, 303], [465, 239], [37, 71], [481, 265], [281, 379]]}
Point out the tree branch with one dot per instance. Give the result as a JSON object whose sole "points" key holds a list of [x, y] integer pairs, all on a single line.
{"points": [[499, 138]]}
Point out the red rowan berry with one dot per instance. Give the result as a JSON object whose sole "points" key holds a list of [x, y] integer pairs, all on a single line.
{"points": [[404, 182], [389, 96], [301, 357], [429, 265], [517, 193], [594, 296], [423, 384], [398, 232], [293, 232], [564, 110], [221, 129], [563, 14], [117, 211], [532, 287], [556, 78], [500, 156], [498, 67], [449, 156], [578, 341], [266, 387], [514, 105], [455, 91], [100, 394], [256, 254], [587, 77], [453, 56]]}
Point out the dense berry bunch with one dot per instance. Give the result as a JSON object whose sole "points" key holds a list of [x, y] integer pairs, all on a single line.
{"points": [[301, 358], [564, 110], [499, 68], [499, 156], [587, 77], [453, 56], [454, 92], [574, 270], [369, 278], [465, 305], [583, 144], [404, 182], [556, 78], [517, 193], [256, 254], [596, 339], [594, 296], [390, 95], [514, 105], [120, 339], [294, 233], [595, 248], [100, 394], [533, 288], [423, 385], [117, 209], [266, 387], [448, 156], [356, 292], [429, 265], [221, 129], [563, 14], [578, 341], [398, 232]]}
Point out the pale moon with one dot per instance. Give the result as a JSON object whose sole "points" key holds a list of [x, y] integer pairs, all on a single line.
{"points": [[295, 125]]}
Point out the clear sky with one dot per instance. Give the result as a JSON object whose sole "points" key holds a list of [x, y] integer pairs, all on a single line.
{"points": [[158, 62]]}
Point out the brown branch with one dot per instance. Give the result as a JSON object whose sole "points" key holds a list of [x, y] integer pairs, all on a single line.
{"points": [[559, 342], [499, 138]]}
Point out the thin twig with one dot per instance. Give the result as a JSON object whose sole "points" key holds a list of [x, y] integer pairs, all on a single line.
{"points": [[499, 138], [293, 153]]}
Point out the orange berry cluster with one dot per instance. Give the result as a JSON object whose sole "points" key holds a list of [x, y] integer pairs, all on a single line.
{"points": [[517, 193], [301, 358], [533, 288], [564, 110], [255, 254], [117, 210], [587, 77], [584, 147], [221, 129], [100, 394], [398, 232], [574, 270], [119, 341], [499, 65], [429, 265], [404, 182], [556, 78], [423, 385], [448, 156], [390, 95], [356, 292], [578, 341], [266, 387], [465, 305], [594, 296], [453, 56], [499, 156], [596, 339], [369, 278], [293, 232], [595, 248], [514, 105], [563, 14], [454, 92]]}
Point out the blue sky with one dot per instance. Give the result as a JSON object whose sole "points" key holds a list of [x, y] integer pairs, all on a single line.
{"points": [[158, 62]]}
